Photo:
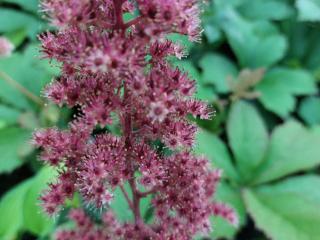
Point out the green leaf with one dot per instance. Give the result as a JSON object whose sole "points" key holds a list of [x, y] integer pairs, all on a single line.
{"points": [[32, 74], [35, 220], [216, 70], [248, 138], [292, 148], [279, 87], [120, 206], [8, 93], [146, 206], [31, 5], [312, 60], [11, 217], [309, 110], [11, 141], [17, 37], [266, 9], [213, 148], [40, 74], [229, 195], [20, 209], [256, 44], [12, 20], [287, 210], [9, 115], [212, 32], [223, 3], [299, 39], [189, 68], [205, 93], [308, 10]]}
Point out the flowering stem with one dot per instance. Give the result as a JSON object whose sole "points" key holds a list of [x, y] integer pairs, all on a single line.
{"points": [[118, 14], [21, 88], [132, 22], [136, 194], [145, 194], [109, 69], [127, 130], [136, 201], [126, 197]]}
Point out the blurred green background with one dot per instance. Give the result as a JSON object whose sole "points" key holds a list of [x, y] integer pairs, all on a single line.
{"points": [[258, 65]]}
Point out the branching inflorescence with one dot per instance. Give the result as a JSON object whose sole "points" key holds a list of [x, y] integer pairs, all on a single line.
{"points": [[115, 68]]}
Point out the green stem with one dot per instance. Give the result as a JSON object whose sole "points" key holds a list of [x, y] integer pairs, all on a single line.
{"points": [[21, 88]]}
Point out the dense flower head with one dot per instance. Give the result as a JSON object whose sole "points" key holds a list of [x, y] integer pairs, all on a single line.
{"points": [[6, 47], [116, 72]]}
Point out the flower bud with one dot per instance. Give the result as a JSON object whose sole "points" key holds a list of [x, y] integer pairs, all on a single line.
{"points": [[6, 47]]}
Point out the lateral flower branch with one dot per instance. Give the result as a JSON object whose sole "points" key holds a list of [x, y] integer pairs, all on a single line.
{"points": [[115, 68]]}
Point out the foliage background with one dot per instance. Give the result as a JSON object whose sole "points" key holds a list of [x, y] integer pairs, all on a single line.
{"points": [[258, 65]]}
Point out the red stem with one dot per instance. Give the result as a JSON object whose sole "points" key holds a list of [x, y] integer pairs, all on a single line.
{"points": [[127, 132], [132, 182], [145, 194], [118, 14], [127, 197], [132, 22]]}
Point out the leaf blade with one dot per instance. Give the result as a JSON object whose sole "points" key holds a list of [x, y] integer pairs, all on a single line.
{"points": [[35, 220], [292, 148], [248, 142], [11, 140], [11, 217], [272, 208], [213, 148], [280, 85]]}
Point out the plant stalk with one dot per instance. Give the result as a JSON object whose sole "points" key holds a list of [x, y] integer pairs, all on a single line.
{"points": [[21, 88]]}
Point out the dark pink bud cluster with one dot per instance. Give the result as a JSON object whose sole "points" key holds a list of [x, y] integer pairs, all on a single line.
{"points": [[116, 72]]}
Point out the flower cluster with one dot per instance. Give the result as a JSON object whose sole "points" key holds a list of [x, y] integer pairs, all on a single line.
{"points": [[6, 47], [118, 72], [86, 229]]}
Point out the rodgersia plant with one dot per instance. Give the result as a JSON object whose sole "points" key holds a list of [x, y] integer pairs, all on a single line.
{"points": [[116, 68]]}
